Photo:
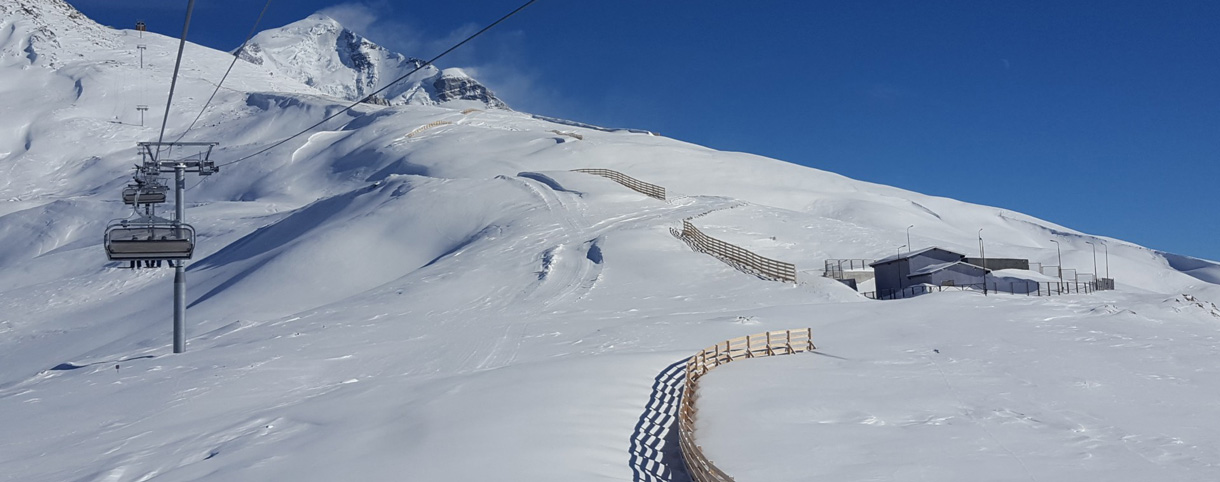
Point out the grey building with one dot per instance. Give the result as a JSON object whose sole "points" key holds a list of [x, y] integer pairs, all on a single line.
{"points": [[935, 266]]}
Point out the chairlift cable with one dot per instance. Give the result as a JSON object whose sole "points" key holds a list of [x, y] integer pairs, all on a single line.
{"points": [[173, 82], [387, 86], [236, 53]]}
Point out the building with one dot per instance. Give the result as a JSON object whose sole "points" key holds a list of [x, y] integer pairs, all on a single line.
{"points": [[934, 266]]}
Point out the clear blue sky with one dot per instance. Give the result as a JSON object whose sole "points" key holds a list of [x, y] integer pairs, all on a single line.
{"points": [[1103, 116]]}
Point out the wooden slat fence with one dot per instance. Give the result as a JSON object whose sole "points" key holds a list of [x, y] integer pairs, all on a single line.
{"points": [[569, 134], [642, 187], [427, 126], [771, 343], [736, 256]]}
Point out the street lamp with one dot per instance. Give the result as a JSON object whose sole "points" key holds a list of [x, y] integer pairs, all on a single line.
{"points": [[1104, 245], [1060, 251], [982, 254], [909, 238], [1094, 259], [900, 250]]}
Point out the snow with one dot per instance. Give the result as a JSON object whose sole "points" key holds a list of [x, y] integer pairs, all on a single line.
{"points": [[1076, 389], [1024, 274], [459, 305]]}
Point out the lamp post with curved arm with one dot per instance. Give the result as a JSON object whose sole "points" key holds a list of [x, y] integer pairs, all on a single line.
{"points": [[1060, 252], [1094, 258]]}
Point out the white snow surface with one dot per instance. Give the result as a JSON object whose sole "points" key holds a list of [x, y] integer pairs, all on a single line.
{"points": [[457, 305]]}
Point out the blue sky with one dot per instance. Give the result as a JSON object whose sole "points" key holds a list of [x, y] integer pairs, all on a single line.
{"points": [[1103, 116]]}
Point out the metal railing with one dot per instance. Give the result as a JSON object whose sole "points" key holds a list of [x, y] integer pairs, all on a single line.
{"points": [[736, 256], [642, 187], [835, 267], [771, 343], [1028, 288]]}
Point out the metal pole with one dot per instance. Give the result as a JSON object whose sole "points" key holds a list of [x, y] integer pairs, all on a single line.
{"points": [[1060, 252], [1104, 245], [909, 237], [983, 255], [1090, 243], [180, 265]]}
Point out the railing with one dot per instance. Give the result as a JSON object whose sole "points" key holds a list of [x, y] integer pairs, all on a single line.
{"points": [[642, 187], [771, 343], [736, 256], [1028, 288], [836, 267]]}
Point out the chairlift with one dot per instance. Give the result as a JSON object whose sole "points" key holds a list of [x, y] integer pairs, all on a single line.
{"points": [[145, 193], [149, 238]]}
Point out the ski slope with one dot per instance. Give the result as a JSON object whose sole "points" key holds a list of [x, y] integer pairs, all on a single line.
{"points": [[456, 304]]}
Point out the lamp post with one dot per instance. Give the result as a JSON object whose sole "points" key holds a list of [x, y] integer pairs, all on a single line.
{"points": [[1094, 259], [1104, 245], [909, 238], [1060, 252], [898, 271], [983, 255]]}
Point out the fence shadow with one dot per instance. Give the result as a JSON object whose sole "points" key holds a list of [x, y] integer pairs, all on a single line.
{"points": [[655, 453]]}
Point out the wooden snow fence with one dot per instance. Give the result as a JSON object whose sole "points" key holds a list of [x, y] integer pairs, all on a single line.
{"points": [[737, 256], [647, 189], [426, 127], [771, 343]]}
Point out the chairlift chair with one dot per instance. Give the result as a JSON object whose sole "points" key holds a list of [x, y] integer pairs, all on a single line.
{"points": [[145, 194], [149, 238]]}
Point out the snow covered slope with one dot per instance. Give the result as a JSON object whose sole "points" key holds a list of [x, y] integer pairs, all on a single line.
{"points": [[426, 292], [323, 54]]}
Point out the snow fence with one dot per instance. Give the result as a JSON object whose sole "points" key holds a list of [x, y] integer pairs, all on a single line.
{"points": [[737, 256], [647, 189], [771, 343]]}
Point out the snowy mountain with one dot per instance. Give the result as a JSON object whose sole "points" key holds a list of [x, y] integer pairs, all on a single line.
{"points": [[321, 53], [39, 31], [427, 292]]}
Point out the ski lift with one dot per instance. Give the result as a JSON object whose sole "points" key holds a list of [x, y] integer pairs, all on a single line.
{"points": [[149, 238], [141, 192]]}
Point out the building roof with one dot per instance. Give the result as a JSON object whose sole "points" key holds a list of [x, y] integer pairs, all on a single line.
{"points": [[932, 268], [912, 254]]}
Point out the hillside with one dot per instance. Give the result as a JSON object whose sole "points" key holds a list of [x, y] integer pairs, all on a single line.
{"points": [[427, 292]]}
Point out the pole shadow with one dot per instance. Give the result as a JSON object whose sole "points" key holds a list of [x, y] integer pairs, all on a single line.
{"points": [[655, 455]]}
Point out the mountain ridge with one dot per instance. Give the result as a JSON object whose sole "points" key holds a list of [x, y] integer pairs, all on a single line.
{"points": [[322, 53]]}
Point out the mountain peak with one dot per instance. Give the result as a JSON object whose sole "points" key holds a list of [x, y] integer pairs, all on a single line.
{"points": [[322, 53]]}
